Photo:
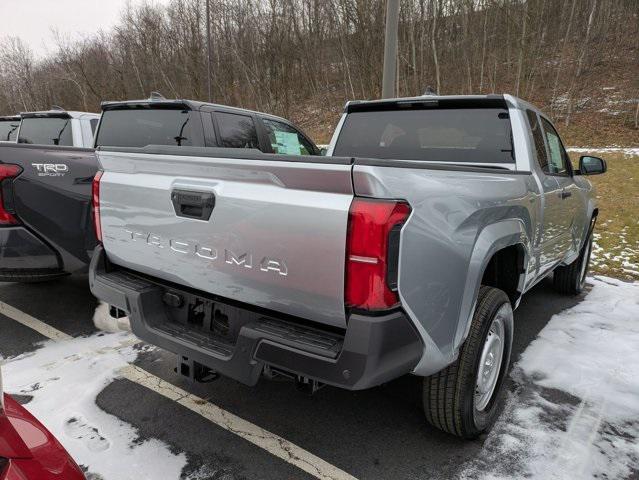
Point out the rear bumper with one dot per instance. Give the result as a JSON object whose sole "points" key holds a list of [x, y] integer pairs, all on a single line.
{"points": [[23, 256], [371, 351]]}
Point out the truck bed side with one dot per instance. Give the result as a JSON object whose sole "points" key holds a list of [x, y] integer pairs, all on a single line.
{"points": [[52, 201], [460, 215]]}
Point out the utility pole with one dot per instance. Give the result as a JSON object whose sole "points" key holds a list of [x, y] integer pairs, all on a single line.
{"points": [[208, 46], [390, 49]]}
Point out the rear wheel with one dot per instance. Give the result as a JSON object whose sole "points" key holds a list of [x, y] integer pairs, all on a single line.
{"points": [[464, 398], [571, 279]]}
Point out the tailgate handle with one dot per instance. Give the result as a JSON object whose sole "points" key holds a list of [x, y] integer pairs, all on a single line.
{"points": [[189, 204]]}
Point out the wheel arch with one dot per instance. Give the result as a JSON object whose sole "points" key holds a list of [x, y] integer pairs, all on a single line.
{"points": [[496, 243]]}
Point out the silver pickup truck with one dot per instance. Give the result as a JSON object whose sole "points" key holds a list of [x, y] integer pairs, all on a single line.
{"points": [[405, 250]]}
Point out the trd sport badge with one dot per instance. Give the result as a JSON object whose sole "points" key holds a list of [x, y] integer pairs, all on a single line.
{"points": [[51, 169]]}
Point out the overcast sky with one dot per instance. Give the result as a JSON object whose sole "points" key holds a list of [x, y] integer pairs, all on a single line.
{"points": [[32, 20]]}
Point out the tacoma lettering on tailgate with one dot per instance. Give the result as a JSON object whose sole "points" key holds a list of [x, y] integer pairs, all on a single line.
{"points": [[241, 260]]}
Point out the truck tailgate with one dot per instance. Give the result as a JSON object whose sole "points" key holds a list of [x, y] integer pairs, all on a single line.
{"points": [[275, 237]]}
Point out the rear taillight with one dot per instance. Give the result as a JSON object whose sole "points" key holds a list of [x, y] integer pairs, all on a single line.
{"points": [[372, 248], [96, 205], [7, 173]]}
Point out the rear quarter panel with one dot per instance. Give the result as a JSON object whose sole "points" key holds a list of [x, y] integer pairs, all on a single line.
{"points": [[458, 220]]}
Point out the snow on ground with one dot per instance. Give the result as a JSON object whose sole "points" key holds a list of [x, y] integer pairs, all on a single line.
{"points": [[575, 411], [64, 379], [627, 151]]}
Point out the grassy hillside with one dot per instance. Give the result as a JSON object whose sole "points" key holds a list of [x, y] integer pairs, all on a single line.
{"points": [[616, 251]]}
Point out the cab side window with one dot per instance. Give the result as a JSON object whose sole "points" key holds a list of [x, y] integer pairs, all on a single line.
{"points": [[285, 140], [538, 138], [558, 158], [237, 131]]}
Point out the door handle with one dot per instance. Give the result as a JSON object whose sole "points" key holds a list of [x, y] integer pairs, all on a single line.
{"points": [[189, 204], [565, 194]]}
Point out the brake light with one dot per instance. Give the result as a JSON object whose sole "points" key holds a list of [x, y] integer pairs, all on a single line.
{"points": [[95, 189], [371, 261], [7, 173]]}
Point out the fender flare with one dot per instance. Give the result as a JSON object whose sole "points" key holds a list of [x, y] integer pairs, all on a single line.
{"points": [[491, 239]]}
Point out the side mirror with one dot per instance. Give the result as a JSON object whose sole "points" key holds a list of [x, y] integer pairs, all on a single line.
{"points": [[592, 165], [323, 151]]}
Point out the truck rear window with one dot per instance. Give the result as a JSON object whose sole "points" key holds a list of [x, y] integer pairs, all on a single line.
{"points": [[46, 131], [473, 135], [137, 127], [8, 130]]}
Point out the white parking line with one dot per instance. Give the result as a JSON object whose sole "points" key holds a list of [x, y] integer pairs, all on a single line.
{"points": [[274, 444], [33, 323], [270, 442]]}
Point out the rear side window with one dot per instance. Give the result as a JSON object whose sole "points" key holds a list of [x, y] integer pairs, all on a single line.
{"points": [[538, 137], [8, 130], [237, 131], [285, 140], [470, 135], [46, 131], [558, 160], [138, 127]]}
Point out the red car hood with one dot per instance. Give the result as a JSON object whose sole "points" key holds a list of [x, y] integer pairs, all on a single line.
{"points": [[33, 453]]}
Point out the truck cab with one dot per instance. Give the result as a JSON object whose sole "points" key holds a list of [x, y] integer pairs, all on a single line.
{"points": [[189, 123], [58, 127]]}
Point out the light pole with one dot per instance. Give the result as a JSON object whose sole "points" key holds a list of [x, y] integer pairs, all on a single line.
{"points": [[390, 49], [208, 47]]}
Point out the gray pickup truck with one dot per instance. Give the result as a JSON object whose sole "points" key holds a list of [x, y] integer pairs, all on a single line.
{"points": [[46, 171], [403, 251]]}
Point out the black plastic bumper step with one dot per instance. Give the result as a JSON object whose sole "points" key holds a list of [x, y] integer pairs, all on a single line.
{"points": [[127, 280], [304, 338], [194, 337]]}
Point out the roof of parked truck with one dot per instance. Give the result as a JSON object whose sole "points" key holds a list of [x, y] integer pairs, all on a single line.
{"points": [[189, 104], [9, 118], [496, 99], [58, 113]]}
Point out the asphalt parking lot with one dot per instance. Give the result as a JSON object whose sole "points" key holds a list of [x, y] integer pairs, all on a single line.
{"points": [[375, 434]]}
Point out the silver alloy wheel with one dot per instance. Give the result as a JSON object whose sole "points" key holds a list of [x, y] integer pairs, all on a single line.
{"points": [[491, 358]]}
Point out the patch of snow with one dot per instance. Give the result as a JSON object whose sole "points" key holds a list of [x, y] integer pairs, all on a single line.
{"points": [[64, 378], [575, 413], [103, 320], [628, 151]]}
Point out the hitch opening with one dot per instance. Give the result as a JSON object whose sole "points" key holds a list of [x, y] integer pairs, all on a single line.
{"points": [[195, 372]]}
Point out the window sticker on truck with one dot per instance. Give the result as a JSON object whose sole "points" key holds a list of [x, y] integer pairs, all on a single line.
{"points": [[50, 169]]}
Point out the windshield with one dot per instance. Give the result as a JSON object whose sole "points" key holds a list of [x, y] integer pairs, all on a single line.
{"points": [[137, 127], [46, 131], [8, 130], [473, 135]]}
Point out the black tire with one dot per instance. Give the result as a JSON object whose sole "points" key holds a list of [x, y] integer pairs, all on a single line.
{"points": [[449, 395], [571, 279]]}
